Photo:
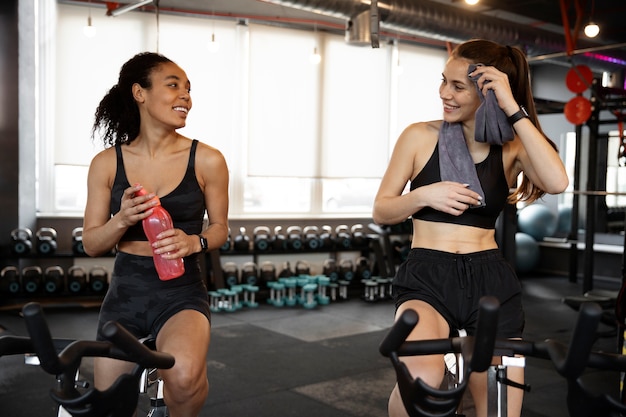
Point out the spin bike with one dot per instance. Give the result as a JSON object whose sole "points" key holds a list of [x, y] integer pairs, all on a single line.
{"points": [[77, 398], [476, 353]]}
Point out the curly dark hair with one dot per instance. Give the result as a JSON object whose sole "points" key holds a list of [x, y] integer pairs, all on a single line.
{"points": [[117, 115]]}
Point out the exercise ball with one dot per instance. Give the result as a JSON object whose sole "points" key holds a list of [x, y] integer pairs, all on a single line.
{"points": [[526, 252], [537, 220], [564, 223]]}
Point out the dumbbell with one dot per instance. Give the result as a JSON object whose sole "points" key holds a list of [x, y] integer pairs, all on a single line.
{"points": [[242, 240], [46, 240], [54, 280], [346, 270], [311, 237], [10, 280], [249, 273], [326, 237], [76, 279], [230, 271], [279, 241], [362, 268], [262, 238], [303, 268], [343, 237], [294, 238], [21, 241], [98, 279], [358, 237], [330, 270], [77, 241], [267, 272], [226, 246], [32, 279]]}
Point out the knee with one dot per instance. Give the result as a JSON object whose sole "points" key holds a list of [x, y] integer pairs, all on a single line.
{"points": [[186, 383]]}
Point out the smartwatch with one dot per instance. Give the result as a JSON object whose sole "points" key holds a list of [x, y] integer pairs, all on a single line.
{"points": [[520, 114], [204, 244]]}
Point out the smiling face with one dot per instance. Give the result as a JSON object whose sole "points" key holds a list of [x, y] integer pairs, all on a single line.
{"points": [[168, 99], [457, 92]]}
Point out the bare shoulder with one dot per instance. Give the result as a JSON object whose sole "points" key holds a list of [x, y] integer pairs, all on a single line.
{"points": [[419, 136], [209, 156]]}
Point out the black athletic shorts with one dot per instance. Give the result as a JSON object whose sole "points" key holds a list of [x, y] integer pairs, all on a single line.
{"points": [[454, 283], [142, 303]]}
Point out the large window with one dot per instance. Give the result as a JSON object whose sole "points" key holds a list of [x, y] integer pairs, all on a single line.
{"points": [[299, 138]]}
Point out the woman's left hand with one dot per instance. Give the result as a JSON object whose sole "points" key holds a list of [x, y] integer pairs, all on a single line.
{"points": [[174, 243], [493, 79]]}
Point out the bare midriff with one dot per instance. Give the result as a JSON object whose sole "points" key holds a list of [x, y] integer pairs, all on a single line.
{"points": [[453, 238]]}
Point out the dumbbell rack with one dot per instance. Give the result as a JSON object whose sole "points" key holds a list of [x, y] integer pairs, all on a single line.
{"points": [[40, 264]]}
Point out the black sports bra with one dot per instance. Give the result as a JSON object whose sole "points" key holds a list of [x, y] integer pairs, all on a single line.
{"points": [[185, 203], [492, 180]]}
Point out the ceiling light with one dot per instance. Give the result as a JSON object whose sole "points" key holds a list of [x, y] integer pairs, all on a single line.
{"points": [[127, 8], [315, 57], [89, 30], [592, 30], [472, 2], [213, 45]]}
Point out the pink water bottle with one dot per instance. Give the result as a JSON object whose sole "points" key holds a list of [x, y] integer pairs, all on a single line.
{"points": [[154, 224]]}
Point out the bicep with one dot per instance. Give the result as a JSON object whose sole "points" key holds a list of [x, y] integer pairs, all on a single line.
{"points": [[214, 180]]}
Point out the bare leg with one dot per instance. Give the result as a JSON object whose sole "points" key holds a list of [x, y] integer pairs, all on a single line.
{"points": [[429, 368], [107, 370], [186, 336]]}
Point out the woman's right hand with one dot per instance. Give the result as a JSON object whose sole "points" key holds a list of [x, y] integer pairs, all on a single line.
{"points": [[449, 197], [133, 207]]}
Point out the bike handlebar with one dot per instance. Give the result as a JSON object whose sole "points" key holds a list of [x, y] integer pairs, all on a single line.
{"points": [[122, 345]]}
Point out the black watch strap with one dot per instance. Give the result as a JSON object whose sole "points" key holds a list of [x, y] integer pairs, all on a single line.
{"points": [[203, 243], [520, 114]]}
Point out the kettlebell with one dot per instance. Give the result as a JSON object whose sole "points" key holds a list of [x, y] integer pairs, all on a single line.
{"points": [[10, 280], [98, 279], [346, 270], [76, 279], [267, 272], [329, 269], [77, 241], [249, 273], [226, 246], [54, 279], [311, 238], [302, 268], [242, 240], [286, 271], [230, 271], [362, 268], [21, 241], [262, 238], [359, 238], [46, 241], [32, 279], [294, 238], [326, 237], [279, 241], [343, 238]]}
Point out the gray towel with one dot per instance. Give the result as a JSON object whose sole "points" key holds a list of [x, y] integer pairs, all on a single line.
{"points": [[492, 125], [455, 161]]}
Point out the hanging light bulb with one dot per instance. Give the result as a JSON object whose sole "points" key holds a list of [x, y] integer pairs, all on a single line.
{"points": [[315, 57], [213, 45], [89, 30], [592, 30]]}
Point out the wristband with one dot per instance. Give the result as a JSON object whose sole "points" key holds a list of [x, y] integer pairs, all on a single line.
{"points": [[203, 243], [520, 114]]}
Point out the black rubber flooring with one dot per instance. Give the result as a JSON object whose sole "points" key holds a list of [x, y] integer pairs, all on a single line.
{"points": [[323, 362]]}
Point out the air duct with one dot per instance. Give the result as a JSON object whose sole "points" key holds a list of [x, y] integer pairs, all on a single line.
{"points": [[437, 21]]}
